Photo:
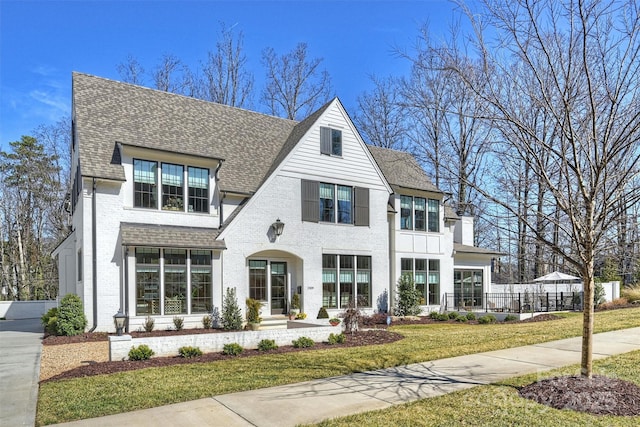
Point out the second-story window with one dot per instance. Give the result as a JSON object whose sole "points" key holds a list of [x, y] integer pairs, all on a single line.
{"points": [[198, 189], [172, 187], [419, 214], [175, 191], [326, 202], [145, 184]]}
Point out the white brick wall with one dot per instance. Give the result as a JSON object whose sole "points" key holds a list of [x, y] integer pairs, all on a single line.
{"points": [[168, 346]]}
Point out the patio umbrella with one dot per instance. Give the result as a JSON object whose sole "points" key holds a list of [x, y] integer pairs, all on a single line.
{"points": [[555, 277]]}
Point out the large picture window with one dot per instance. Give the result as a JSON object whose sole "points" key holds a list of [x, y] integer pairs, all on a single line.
{"points": [[185, 284], [145, 184], [426, 277], [348, 277]]}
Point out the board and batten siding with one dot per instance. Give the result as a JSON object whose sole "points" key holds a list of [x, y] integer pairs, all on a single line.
{"points": [[354, 167]]}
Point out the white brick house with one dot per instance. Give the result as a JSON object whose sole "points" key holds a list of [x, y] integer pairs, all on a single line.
{"points": [[175, 199]]}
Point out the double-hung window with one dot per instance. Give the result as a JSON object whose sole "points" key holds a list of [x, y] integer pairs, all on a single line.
{"points": [[198, 189], [145, 184], [172, 187], [327, 206]]}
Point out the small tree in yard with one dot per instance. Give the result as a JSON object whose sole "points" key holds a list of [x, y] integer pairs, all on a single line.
{"points": [[408, 297], [71, 318], [231, 314]]}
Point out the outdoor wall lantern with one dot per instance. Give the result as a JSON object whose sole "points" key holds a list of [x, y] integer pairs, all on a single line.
{"points": [[278, 227], [119, 319]]}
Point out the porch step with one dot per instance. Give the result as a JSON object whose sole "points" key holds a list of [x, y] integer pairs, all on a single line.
{"points": [[274, 322]]}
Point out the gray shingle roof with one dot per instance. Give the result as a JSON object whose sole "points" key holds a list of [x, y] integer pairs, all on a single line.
{"points": [[107, 112], [169, 236], [474, 250], [401, 169]]}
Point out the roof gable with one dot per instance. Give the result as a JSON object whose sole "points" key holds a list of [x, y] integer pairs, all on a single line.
{"points": [[402, 170]]}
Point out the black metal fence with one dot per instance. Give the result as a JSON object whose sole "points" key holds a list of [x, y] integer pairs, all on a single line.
{"points": [[516, 302]]}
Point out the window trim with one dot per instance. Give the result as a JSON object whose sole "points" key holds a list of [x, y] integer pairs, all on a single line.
{"points": [[427, 274], [329, 145]]}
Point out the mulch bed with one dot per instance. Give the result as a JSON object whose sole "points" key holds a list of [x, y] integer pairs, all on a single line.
{"points": [[360, 338], [599, 395]]}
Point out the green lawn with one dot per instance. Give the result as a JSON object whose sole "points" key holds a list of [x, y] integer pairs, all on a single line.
{"points": [[80, 398], [499, 404]]}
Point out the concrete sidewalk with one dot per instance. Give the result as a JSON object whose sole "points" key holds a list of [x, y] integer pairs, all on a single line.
{"points": [[314, 401], [20, 349]]}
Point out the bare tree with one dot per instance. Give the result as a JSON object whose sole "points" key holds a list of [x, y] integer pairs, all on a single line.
{"points": [[171, 75], [131, 71], [226, 78], [295, 84], [579, 61], [380, 118]]}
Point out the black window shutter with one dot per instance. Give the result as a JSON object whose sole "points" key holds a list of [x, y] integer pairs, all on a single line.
{"points": [[325, 140], [310, 200], [362, 206]]}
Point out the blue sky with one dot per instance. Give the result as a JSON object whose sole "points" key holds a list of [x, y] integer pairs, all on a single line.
{"points": [[42, 42]]}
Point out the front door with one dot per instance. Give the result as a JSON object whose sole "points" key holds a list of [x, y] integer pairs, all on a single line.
{"points": [[278, 288]]}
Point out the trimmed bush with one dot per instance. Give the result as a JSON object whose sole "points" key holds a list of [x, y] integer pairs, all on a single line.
{"points": [[486, 319], [434, 315], [510, 318], [443, 317], [303, 342], [207, 322], [232, 349], [71, 319], [336, 339], [471, 316], [461, 319], [453, 315], [188, 352], [178, 322], [322, 313], [149, 323], [266, 345], [142, 352], [49, 320]]}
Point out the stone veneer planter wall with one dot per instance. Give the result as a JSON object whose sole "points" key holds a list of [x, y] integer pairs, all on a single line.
{"points": [[119, 346]]}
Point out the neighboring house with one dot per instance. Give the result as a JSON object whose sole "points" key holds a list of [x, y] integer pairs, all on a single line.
{"points": [[176, 199]]}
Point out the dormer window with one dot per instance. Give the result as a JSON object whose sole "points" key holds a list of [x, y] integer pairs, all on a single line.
{"points": [[177, 192], [330, 141]]}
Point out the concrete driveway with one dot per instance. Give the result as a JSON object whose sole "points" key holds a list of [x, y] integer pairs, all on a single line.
{"points": [[20, 349]]}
